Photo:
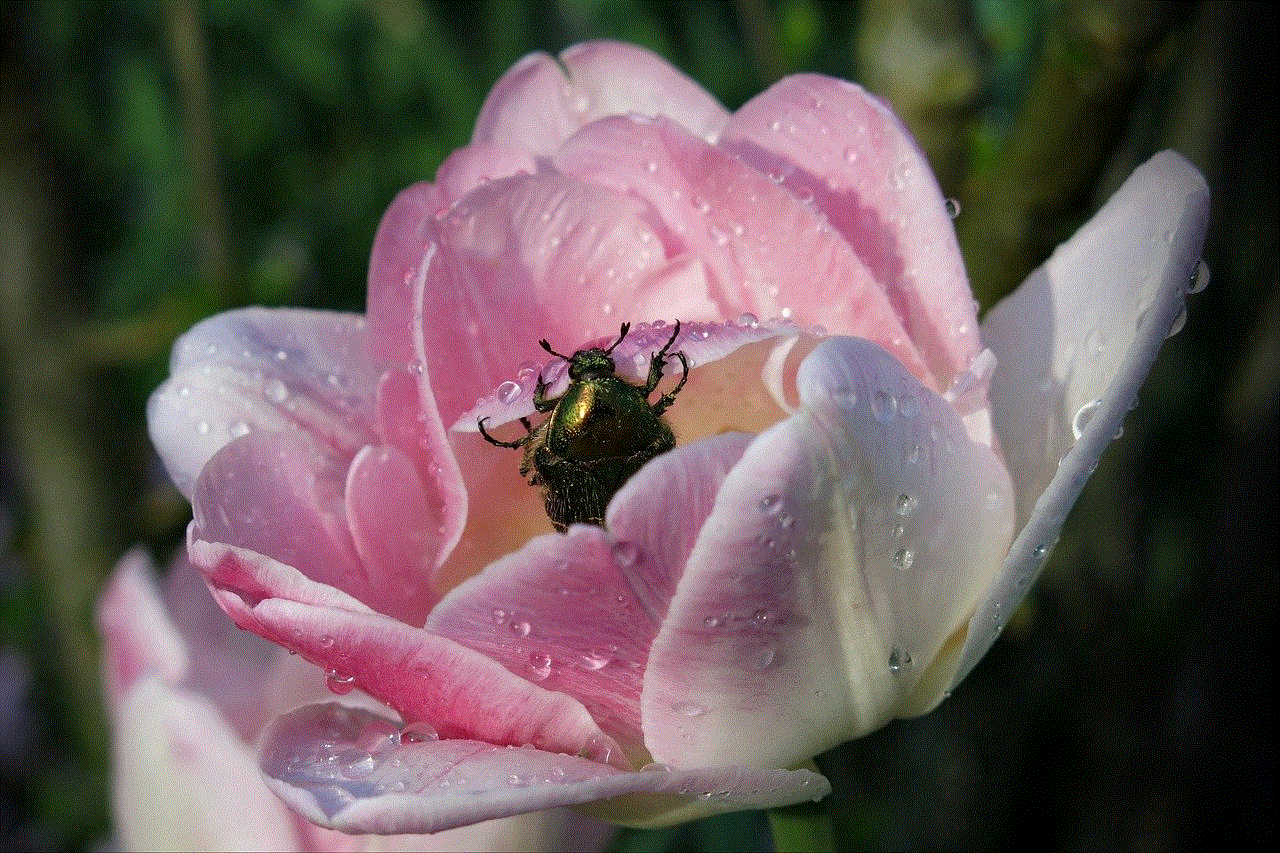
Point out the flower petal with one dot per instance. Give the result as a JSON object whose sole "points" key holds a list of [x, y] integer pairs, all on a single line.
{"points": [[845, 548], [577, 613], [1075, 343], [395, 267], [254, 369], [348, 769], [829, 140], [139, 638], [766, 251], [535, 106], [424, 677], [185, 781]]}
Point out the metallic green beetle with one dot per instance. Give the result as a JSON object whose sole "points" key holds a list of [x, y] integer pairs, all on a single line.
{"points": [[600, 432]]}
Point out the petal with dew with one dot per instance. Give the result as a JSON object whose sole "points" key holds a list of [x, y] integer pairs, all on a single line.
{"points": [[577, 613], [829, 140], [845, 548], [424, 677], [395, 267], [1075, 343], [766, 251], [259, 370], [354, 771]]}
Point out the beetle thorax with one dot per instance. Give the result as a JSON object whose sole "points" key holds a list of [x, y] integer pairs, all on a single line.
{"points": [[590, 364]]}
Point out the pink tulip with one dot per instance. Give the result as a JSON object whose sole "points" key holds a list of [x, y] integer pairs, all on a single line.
{"points": [[189, 694], [864, 486]]}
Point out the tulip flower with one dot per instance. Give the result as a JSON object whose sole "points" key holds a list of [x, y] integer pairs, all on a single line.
{"points": [[866, 481], [189, 694]]}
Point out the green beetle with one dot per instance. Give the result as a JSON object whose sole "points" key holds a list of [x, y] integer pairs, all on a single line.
{"points": [[600, 432]]}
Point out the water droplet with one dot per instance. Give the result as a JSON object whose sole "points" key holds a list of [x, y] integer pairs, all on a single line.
{"points": [[418, 731], [326, 642], [539, 666], [651, 167], [1178, 323], [771, 504], [688, 709], [899, 661], [764, 658], [356, 763], [203, 427], [1039, 551], [845, 398], [238, 429], [909, 405], [907, 504], [1082, 417], [912, 455], [625, 554], [851, 154], [746, 318], [596, 659], [903, 558], [338, 684], [899, 530], [764, 618], [275, 391], [521, 628], [952, 207], [884, 406], [1199, 279], [499, 616], [508, 391], [712, 621]]}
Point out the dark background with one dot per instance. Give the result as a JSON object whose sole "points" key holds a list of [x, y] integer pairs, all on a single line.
{"points": [[160, 162]]}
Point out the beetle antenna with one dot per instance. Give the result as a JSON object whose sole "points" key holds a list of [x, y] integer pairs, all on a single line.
{"points": [[546, 346], [626, 327]]}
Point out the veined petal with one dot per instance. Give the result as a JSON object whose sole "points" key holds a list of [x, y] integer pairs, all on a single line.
{"points": [[829, 140], [349, 769], [1075, 343], [844, 550], [263, 370], [536, 106]]}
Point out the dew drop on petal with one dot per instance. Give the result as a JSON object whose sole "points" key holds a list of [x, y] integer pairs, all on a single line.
{"points": [[884, 406], [770, 504], [338, 684], [688, 709], [746, 318], [1178, 323], [418, 731], [899, 661], [952, 207], [1200, 279], [275, 391], [1082, 417], [907, 504], [508, 391], [539, 666], [625, 554], [521, 628]]}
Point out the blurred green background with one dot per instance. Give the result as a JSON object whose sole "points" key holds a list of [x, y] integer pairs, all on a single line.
{"points": [[164, 161]]}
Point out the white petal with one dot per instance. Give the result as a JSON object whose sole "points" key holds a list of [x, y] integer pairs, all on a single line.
{"points": [[1075, 343]]}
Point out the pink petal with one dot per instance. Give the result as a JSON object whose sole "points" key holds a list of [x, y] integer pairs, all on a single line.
{"points": [[185, 781], [275, 494], [805, 616], [139, 639], [524, 258], [1075, 343], [478, 163], [829, 140], [535, 107], [766, 252], [394, 530], [255, 370], [348, 769], [424, 677], [577, 613], [395, 266]]}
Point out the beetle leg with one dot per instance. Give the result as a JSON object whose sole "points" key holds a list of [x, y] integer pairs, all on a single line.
{"points": [[519, 442], [540, 401], [658, 361], [670, 397]]}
